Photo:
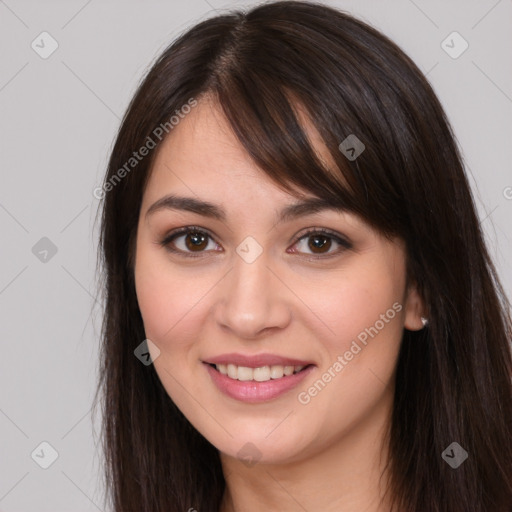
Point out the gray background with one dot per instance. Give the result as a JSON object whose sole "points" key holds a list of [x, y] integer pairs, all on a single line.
{"points": [[58, 119]]}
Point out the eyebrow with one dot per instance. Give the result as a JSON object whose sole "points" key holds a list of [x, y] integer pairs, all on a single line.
{"points": [[299, 209]]}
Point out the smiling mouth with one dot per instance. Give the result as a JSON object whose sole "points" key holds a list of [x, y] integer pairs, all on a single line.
{"points": [[261, 374]]}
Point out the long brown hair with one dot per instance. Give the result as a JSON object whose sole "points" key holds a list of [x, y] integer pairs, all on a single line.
{"points": [[453, 378]]}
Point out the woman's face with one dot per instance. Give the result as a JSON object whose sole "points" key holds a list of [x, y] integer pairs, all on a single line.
{"points": [[245, 292]]}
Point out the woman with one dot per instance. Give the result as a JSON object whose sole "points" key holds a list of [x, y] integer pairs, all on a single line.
{"points": [[301, 313]]}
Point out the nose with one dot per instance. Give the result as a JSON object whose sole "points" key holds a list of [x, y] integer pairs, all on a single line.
{"points": [[252, 300]]}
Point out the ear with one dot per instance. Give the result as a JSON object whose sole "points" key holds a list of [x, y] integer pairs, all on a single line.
{"points": [[414, 309]]}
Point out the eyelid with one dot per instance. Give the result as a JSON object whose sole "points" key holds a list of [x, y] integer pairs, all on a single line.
{"points": [[337, 237], [169, 237]]}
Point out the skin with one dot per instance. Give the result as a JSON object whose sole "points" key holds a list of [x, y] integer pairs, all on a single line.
{"points": [[327, 454]]}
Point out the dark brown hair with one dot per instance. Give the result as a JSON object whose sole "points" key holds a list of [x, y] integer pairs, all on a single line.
{"points": [[453, 378]]}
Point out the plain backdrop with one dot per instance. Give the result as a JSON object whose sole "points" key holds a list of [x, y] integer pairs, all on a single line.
{"points": [[58, 119]]}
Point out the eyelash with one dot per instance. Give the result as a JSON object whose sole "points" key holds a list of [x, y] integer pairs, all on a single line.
{"points": [[166, 242]]}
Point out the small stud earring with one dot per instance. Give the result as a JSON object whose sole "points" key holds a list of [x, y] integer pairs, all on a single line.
{"points": [[424, 321]]}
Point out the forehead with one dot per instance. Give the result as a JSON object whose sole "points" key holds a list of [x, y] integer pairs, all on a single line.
{"points": [[204, 144], [202, 159]]}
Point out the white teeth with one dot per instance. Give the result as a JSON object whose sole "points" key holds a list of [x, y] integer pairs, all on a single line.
{"points": [[232, 371], [261, 374], [276, 372], [245, 373], [288, 370]]}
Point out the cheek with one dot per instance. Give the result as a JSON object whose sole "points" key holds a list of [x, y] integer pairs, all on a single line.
{"points": [[159, 295], [361, 305], [157, 303], [360, 353], [365, 316], [171, 301]]}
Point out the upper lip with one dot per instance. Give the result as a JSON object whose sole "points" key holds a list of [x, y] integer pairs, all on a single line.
{"points": [[256, 361]]}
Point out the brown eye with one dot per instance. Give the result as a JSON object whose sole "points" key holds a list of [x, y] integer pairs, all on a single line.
{"points": [[187, 241], [319, 243], [196, 240]]}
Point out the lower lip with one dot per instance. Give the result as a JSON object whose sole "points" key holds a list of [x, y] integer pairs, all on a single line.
{"points": [[255, 392]]}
